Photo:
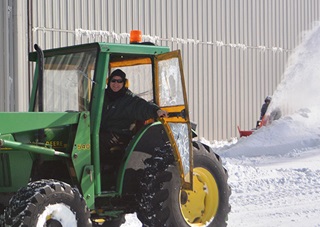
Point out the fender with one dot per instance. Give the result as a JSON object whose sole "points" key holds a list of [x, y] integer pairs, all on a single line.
{"points": [[142, 145]]}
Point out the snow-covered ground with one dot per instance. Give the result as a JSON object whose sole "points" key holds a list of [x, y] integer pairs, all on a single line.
{"points": [[275, 173]]}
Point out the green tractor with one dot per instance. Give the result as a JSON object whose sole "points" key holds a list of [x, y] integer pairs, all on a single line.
{"points": [[50, 168]]}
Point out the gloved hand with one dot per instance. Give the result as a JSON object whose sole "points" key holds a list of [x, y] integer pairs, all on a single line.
{"points": [[162, 113]]}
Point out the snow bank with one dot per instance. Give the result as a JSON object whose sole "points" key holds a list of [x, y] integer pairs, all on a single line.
{"points": [[286, 136]]}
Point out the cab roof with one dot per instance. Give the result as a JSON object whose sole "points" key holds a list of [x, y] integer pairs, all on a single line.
{"points": [[139, 48]]}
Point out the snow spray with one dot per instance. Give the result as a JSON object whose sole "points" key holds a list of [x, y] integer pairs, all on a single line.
{"points": [[300, 85]]}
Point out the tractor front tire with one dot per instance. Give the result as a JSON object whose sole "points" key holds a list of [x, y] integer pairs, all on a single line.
{"points": [[165, 203], [47, 203]]}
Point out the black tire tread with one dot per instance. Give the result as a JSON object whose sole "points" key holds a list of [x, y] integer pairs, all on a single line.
{"points": [[154, 210], [25, 202]]}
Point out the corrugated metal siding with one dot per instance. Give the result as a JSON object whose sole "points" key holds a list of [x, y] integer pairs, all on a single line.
{"points": [[3, 20], [19, 64], [230, 48], [13, 56], [6, 85]]}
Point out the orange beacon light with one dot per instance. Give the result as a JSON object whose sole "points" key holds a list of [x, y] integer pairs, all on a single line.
{"points": [[135, 36]]}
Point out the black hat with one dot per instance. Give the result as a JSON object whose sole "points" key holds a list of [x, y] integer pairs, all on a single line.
{"points": [[118, 72], [268, 99]]}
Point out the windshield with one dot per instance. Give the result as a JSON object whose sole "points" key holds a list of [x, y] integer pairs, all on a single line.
{"points": [[67, 81]]}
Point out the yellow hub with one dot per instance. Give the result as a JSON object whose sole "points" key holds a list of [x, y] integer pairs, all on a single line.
{"points": [[200, 205]]}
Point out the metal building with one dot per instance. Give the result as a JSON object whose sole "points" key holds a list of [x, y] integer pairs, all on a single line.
{"points": [[234, 51]]}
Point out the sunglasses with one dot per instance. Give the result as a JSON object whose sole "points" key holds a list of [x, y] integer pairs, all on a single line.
{"points": [[118, 81]]}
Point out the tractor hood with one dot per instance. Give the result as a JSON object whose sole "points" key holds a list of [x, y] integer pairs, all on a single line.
{"points": [[14, 122]]}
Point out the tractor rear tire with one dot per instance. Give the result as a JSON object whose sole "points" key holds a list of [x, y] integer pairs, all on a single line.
{"points": [[47, 203], [165, 203]]}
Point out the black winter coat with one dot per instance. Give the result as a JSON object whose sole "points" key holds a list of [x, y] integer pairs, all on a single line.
{"points": [[118, 115], [264, 110]]}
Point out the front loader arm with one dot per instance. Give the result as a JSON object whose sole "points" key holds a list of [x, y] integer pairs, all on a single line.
{"points": [[31, 148]]}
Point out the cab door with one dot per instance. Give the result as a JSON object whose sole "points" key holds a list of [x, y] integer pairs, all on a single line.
{"points": [[171, 96]]}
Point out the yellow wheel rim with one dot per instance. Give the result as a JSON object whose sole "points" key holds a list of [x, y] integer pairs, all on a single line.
{"points": [[200, 205]]}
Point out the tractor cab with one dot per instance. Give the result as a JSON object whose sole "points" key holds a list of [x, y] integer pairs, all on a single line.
{"points": [[74, 81]]}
